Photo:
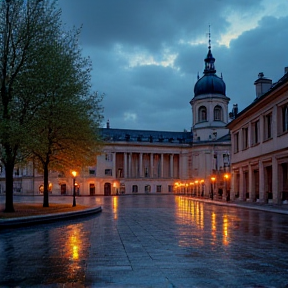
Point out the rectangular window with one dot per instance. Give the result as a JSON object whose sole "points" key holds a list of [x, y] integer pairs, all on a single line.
{"points": [[245, 137], [108, 157], [285, 118], [158, 188], [268, 126], [108, 172], [91, 172], [255, 132], [236, 142], [170, 188]]}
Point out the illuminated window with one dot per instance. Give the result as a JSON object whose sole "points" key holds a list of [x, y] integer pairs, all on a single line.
{"points": [[218, 113], [202, 114]]}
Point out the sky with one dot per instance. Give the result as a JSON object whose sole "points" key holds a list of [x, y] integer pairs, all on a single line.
{"points": [[146, 54]]}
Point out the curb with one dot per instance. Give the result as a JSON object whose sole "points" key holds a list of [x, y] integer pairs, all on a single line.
{"points": [[49, 218], [239, 205]]}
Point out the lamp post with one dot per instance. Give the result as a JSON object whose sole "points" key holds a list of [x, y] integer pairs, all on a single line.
{"points": [[226, 177], [74, 173], [212, 186]]}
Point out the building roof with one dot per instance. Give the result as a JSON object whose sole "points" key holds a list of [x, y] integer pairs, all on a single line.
{"points": [[257, 100], [128, 135]]}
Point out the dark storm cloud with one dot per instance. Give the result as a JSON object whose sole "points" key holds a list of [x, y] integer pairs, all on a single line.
{"points": [[146, 95], [147, 23]]}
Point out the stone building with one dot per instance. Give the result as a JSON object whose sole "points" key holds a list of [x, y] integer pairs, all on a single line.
{"points": [[137, 161], [259, 136]]}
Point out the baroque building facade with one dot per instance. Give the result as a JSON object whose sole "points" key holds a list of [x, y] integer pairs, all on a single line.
{"points": [[137, 161]]}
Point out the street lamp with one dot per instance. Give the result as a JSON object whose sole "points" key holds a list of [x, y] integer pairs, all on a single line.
{"points": [[74, 173], [212, 186], [226, 177]]}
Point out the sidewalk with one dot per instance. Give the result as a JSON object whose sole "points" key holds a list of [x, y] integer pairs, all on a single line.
{"points": [[281, 209]]}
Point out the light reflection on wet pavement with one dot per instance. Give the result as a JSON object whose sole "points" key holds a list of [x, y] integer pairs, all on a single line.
{"points": [[150, 241]]}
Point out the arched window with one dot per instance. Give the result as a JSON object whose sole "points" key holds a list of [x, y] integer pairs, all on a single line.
{"points": [[218, 113], [202, 114]]}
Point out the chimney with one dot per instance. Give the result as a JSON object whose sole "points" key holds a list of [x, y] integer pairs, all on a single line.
{"points": [[235, 109], [234, 112], [262, 84]]}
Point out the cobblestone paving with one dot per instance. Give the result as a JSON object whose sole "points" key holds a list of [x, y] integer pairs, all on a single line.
{"points": [[150, 241]]}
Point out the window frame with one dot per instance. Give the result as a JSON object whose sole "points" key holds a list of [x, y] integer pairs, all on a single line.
{"points": [[245, 138], [202, 111], [236, 142], [255, 130], [218, 111], [268, 126]]}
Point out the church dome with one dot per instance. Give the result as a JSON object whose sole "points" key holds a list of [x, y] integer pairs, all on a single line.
{"points": [[210, 83]]}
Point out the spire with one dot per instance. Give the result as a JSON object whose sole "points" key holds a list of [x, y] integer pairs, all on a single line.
{"points": [[209, 60]]}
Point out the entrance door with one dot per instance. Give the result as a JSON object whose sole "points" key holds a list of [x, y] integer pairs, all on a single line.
{"points": [[107, 189], [92, 189], [63, 189]]}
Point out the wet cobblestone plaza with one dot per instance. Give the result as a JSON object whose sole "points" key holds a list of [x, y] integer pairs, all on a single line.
{"points": [[149, 241]]}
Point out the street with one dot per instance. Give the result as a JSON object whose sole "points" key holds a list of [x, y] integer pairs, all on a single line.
{"points": [[149, 241]]}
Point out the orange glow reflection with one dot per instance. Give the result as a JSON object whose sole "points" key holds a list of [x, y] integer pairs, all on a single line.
{"points": [[225, 230], [73, 241], [115, 207], [189, 214]]}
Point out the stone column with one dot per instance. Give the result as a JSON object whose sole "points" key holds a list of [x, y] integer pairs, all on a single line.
{"points": [[275, 180], [114, 165], [129, 165], [241, 184], [232, 188], [171, 166], [250, 184], [261, 183], [151, 165], [141, 165], [125, 166], [162, 165]]}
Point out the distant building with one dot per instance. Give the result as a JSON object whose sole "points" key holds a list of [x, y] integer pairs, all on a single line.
{"points": [[136, 161], [259, 137]]}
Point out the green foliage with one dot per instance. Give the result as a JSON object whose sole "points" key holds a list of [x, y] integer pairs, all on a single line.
{"points": [[47, 109]]}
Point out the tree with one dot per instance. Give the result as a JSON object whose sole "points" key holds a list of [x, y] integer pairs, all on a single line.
{"points": [[25, 27], [63, 133]]}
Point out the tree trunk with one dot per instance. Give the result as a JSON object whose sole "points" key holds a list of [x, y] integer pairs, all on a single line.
{"points": [[9, 169], [46, 192]]}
